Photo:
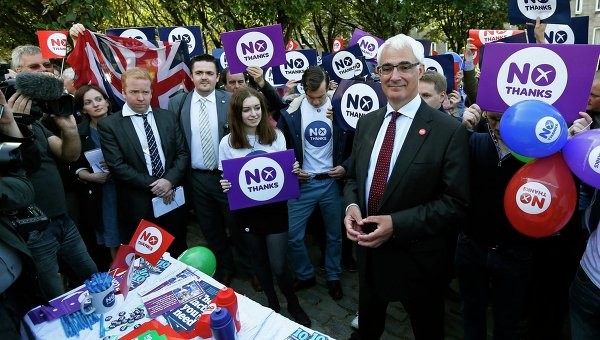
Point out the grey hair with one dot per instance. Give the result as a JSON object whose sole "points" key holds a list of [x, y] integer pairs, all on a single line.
{"points": [[400, 41], [69, 73], [20, 51]]}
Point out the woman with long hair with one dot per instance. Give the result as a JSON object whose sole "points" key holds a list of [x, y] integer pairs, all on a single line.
{"points": [[264, 227]]}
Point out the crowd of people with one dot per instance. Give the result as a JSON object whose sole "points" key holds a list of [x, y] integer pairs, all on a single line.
{"points": [[420, 181]]}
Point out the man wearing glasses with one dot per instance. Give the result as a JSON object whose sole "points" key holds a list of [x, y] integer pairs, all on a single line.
{"points": [[407, 182], [145, 151], [321, 148], [60, 239]]}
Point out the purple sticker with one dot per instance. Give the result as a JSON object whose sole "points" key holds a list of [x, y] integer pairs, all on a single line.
{"points": [[260, 46], [261, 179]]}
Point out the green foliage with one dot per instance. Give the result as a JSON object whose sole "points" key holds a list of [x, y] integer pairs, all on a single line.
{"points": [[314, 24]]}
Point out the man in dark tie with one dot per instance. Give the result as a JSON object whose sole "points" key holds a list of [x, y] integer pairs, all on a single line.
{"points": [[203, 119], [406, 184], [145, 152]]}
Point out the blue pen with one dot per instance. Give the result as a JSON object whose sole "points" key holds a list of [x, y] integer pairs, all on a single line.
{"points": [[101, 326]]}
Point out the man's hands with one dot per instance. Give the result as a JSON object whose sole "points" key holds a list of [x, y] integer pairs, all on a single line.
{"points": [[75, 31], [581, 124], [355, 224], [337, 172], [163, 188], [471, 116], [257, 74]]}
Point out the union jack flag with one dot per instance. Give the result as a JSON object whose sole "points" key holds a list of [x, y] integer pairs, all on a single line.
{"points": [[100, 59]]}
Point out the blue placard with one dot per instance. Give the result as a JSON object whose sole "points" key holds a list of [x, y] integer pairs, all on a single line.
{"points": [[549, 11], [345, 64], [574, 33], [191, 35], [139, 33], [443, 64], [353, 99], [219, 54], [296, 62]]}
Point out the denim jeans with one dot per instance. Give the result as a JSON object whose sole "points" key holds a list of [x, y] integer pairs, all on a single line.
{"points": [[497, 274], [60, 240], [327, 194], [584, 307]]}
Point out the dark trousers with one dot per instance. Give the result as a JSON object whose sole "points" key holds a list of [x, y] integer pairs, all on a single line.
{"points": [[212, 211], [584, 308], [268, 259], [425, 310], [497, 274]]}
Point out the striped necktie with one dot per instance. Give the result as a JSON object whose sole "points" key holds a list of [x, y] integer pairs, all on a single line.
{"points": [[208, 150], [157, 168]]}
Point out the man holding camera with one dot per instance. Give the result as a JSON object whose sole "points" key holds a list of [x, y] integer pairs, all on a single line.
{"points": [[60, 239], [19, 288]]}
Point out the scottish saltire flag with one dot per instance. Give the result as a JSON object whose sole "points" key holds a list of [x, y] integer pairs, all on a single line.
{"points": [[100, 59]]}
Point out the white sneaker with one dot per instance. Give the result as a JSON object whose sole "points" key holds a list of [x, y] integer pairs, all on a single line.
{"points": [[354, 322]]}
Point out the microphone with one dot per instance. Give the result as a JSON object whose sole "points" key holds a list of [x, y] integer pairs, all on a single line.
{"points": [[39, 85]]}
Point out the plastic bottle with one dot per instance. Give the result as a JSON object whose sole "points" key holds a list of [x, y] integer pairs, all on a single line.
{"points": [[226, 298], [222, 325]]}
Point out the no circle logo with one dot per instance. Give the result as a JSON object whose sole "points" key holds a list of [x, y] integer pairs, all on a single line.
{"points": [[533, 198], [261, 179], [522, 76], [254, 49]]}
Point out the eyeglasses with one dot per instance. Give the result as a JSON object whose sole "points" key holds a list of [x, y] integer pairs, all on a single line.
{"points": [[403, 67], [35, 67]]}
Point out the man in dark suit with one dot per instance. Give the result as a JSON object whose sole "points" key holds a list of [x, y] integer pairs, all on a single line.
{"points": [[406, 184], [145, 151], [207, 107]]}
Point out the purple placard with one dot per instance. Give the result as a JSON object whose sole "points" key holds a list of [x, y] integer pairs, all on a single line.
{"points": [[354, 99], [261, 179], [139, 33], [297, 61], [368, 43], [560, 75], [259, 46]]}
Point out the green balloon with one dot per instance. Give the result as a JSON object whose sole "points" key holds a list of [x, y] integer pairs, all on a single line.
{"points": [[523, 159], [200, 258]]}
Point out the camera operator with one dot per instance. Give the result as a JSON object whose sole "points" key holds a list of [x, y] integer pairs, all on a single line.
{"points": [[60, 239], [19, 287]]}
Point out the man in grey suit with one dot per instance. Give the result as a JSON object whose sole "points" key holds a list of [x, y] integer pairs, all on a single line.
{"points": [[203, 118], [145, 152], [406, 184]]}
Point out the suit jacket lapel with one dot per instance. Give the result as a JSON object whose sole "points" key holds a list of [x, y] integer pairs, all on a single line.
{"points": [[413, 142], [185, 117], [371, 130], [161, 125], [222, 108], [128, 130]]}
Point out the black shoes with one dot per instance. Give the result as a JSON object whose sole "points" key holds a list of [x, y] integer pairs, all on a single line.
{"points": [[297, 312], [304, 284], [335, 289]]}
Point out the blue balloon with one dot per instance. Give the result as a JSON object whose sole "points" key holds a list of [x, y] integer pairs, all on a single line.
{"points": [[457, 58], [533, 128]]}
